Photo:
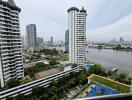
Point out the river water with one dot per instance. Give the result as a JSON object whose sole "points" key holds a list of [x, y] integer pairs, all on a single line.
{"points": [[111, 58]]}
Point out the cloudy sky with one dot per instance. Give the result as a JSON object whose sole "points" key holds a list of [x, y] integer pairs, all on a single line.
{"points": [[106, 19]]}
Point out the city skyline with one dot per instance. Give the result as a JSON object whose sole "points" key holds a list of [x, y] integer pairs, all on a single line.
{"points": [[102, 14], [94, 62]]}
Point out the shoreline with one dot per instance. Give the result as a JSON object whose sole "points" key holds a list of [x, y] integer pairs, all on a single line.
{"points": [[108, 68]]}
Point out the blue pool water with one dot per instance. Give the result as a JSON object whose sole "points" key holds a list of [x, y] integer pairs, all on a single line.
{"points": [[99, 89], [87, 66]]}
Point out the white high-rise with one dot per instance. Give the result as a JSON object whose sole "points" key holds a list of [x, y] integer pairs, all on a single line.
{"points": [[11, 63], [77, 35]]}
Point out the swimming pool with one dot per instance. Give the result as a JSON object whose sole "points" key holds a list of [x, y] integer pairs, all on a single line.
{"points": [[99, 89]]}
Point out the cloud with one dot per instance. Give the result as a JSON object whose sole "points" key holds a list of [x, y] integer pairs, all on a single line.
{"points": [[110, 11], [51, 16], [122, 28]]}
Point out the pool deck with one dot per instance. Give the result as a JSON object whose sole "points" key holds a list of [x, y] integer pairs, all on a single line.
{"points": [[97, 87], [83, 93], [91, 87], [121, 87]]}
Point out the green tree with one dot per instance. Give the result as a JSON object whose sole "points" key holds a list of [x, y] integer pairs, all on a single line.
{"points": [[29, 71], [37, 91], [122, 76], [9, 98], [74, 65], [49, 51], [53, 90], [96, 69], [13, 83], [110, 73], [40, 64], [53, 52], [53, 62], [20, 97], [53, 83], [44, 97], [55, 97]]}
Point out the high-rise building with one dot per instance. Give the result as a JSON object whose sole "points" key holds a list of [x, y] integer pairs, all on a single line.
{"points": [[121, 40], [31, 36], [77, 35], [40, 41], [23, 41], [51, 41], [11, 63], [67, 41]]}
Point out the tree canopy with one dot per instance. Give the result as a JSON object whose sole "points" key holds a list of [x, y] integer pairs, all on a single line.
{"points": [[13, 83], [97, 69], [49, 51], [53, 62]]}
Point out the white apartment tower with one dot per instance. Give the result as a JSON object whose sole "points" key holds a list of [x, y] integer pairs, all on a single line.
{"points": [[11, 63], [77, 35]]}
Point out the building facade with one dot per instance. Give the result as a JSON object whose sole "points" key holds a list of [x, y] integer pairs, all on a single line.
{"points": [[67, 41], [40, 41], [31, 36], [23, 41], [51, 41], [26, 89], [11, 63], [77, 35]]}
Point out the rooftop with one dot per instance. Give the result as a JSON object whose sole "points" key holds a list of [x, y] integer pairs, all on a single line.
{"points": [[10, 3], [73, 8], [83, 10], [123, 88]]}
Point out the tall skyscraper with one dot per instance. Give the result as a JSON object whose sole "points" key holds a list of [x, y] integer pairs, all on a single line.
{"points": [[121, 40], [67, 41], [23, 41], [51, 41], [11, 63], [77, 35], [40, 41], [31, 36]]}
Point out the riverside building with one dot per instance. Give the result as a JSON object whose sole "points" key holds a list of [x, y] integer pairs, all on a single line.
{"points": [[77, 35]]}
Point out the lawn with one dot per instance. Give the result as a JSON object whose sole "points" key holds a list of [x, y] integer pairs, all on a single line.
{"points": [[113, 84]]}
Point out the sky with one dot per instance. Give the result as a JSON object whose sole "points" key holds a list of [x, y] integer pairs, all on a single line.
{"points": [[107, 19]]}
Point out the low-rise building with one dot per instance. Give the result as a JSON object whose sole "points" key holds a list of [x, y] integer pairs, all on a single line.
{"points": [[26, 89]]}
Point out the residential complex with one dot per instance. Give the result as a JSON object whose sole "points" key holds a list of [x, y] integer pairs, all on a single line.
{"points": [[11, 63], [31, 36], [51, 73], [67, 41], [26, 89], [77, 35]]}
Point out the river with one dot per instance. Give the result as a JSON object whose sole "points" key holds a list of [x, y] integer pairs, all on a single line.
{"points": [[111, 58]]}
